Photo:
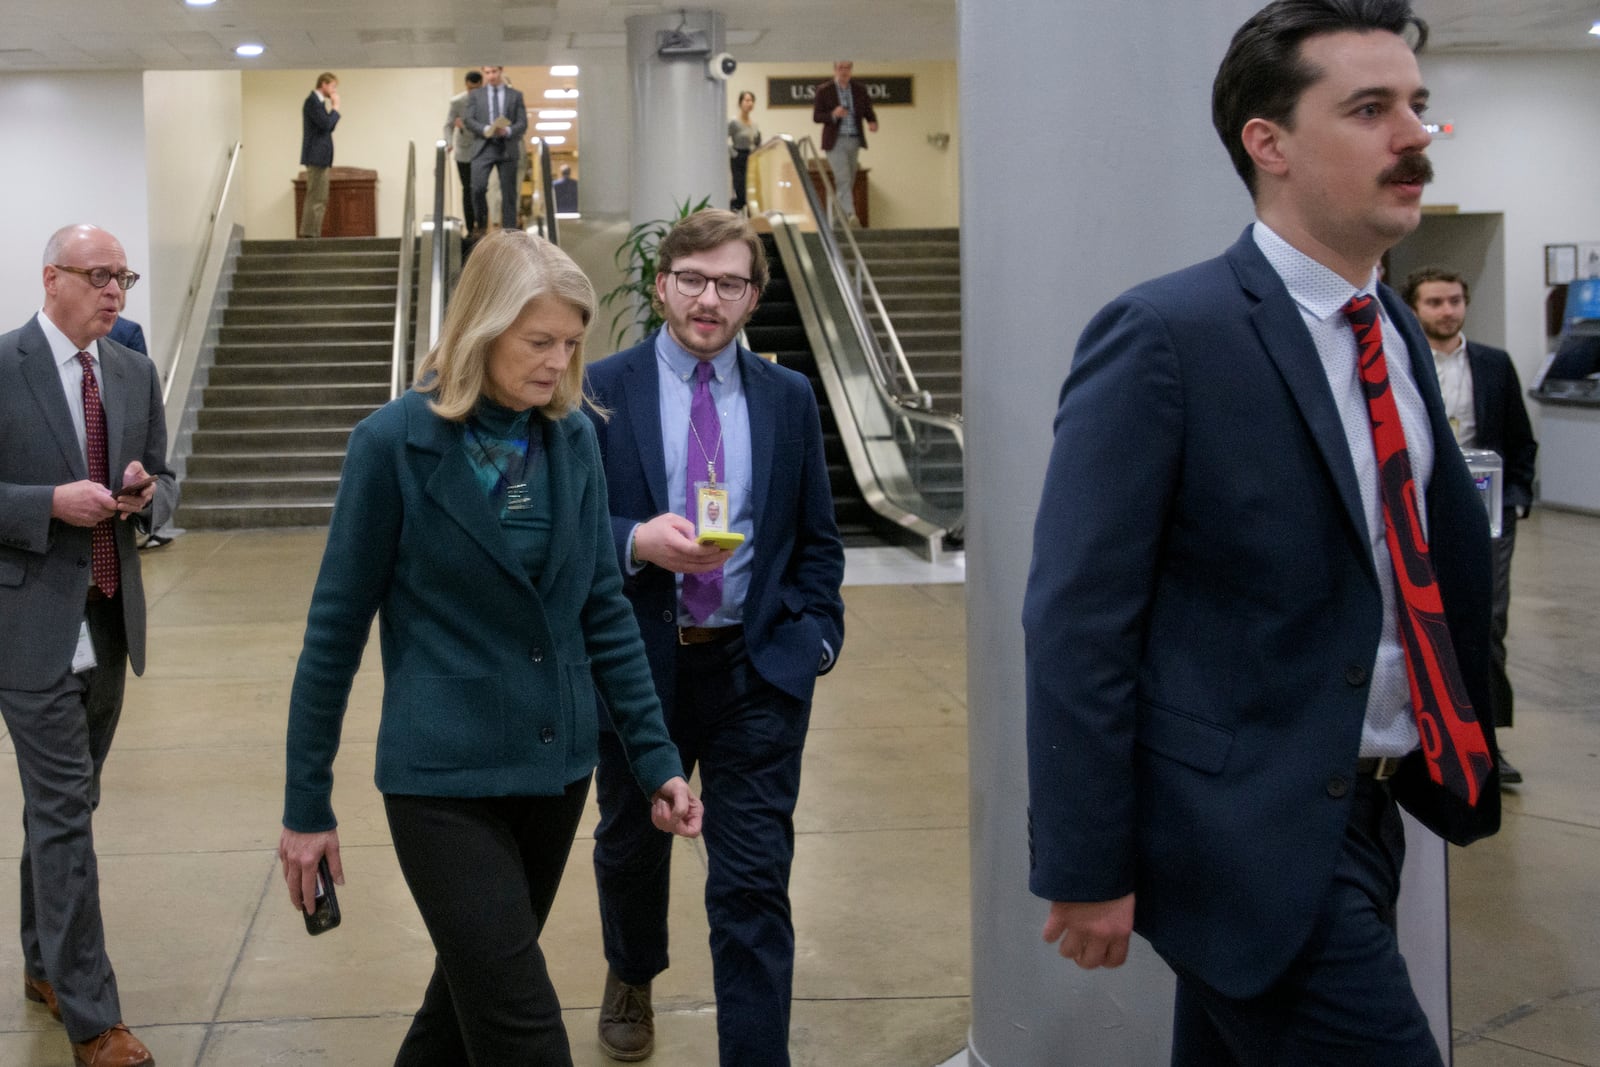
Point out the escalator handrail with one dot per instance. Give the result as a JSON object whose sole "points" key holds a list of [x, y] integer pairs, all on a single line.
{"points": [[406, 276]]}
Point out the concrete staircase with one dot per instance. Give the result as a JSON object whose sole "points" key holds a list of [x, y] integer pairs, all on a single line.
{"points": [[918, 273], [304, 355]]}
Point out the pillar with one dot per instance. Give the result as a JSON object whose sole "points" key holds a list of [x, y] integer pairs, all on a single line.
{"points": [[680, 144]]}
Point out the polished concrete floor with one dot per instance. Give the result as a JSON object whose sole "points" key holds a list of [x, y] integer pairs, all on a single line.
{"points": [[215, 968]]}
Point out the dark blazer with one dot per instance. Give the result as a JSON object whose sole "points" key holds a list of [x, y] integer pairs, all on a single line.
{"points": [[826, 99], [128, 334], [489, 679], [478, 116], [44, 563], [1202, 618], [1502, 420], [316, 132], [793, 604]]}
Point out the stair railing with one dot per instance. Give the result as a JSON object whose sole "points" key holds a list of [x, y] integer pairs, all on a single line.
{"points": [[195, 319], [407, 277]]}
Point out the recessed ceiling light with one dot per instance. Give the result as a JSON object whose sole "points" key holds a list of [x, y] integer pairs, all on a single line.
{"points": [[558, 113], [552, 126], [561, 94], [1595, 29], [564, 72], [199, 3], [558, 139], [249, 51]]}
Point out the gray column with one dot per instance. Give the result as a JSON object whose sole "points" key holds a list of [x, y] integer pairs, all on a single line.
{"points": [[680, 143], [1088, 163]]}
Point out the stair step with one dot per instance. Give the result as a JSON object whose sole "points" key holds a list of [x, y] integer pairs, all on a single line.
{"points": [[251, 396], [300, 374], [304, 315], [321, 244], [253, 276], [307, 352], [320, 417], [259, 489], [254, 516], [321, 332], [358, 259], [270, 441], [306, 296], [218, 465]]}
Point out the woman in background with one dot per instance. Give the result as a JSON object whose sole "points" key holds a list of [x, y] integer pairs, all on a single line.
{"points": [[746, 138], [472, 519]]}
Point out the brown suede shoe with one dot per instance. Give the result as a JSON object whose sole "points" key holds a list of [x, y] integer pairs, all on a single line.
{"points": [[627, 1022], [117, 1047], [41, 992]]}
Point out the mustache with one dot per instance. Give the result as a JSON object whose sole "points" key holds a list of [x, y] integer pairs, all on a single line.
{"points": [[1412, 168]]}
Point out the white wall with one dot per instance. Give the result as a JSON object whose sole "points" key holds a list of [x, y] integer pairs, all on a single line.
{"points": [[192, 119], [1527, 144], [380, 110], [912, 183], [79, 156]]}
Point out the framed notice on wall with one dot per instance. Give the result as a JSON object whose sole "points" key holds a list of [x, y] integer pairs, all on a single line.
{"points": [[1560, 264], [883, 90]]}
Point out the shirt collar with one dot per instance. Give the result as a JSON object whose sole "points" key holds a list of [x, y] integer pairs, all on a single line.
{"points": [[1457, 349], [1315, 287], [681, 363], [61, 348]]}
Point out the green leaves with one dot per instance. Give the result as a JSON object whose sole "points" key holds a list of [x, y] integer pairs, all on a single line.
{"points": [[637, 255]]}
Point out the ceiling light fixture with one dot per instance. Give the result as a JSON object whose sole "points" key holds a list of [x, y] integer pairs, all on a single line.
{"points": [[567, 71], [561, 94], [1595, 29], [555, 140], [541, 126], [199, 3], [558, 113], [249, 51]]}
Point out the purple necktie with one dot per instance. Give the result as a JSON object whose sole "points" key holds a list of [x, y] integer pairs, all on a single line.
{"points": [[702, 593]]}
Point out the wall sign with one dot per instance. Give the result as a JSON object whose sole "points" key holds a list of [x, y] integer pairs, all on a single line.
{"points": [[891, 91]]}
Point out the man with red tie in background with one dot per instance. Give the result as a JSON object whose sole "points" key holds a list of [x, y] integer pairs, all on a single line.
{"points": [[82, 450], [1258, 612]]}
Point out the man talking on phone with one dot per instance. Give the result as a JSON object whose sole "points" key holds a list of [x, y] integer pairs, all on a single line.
{"points": [[704, 442], [83, 447]]}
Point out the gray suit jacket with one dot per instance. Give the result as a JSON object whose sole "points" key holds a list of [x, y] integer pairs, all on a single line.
{"points": [[44, 563], [479, 115], [462, 140]]}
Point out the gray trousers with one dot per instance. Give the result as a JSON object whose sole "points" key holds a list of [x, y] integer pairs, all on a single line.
{"points": [[1500, 698], [61, 736], [842, 158], [316, 201]]}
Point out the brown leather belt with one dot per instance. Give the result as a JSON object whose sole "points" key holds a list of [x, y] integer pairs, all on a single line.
{"points": [[705, 635], [1379, 768]]}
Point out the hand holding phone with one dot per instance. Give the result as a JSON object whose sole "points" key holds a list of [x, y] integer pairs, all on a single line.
{"points": [[135, 488], [326, 916]]}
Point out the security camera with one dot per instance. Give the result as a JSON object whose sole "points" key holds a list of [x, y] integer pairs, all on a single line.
{"points": [[721, 66]]}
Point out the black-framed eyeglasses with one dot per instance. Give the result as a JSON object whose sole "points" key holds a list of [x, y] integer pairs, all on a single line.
{"points": [[99, 277], [693, 283]]}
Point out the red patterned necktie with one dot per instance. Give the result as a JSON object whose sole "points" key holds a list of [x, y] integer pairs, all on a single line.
{"points": [[103, 557], [1453, 742]]}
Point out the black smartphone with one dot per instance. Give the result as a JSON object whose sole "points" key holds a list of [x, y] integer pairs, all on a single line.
{"points": [[135, 488], [326, 917]]}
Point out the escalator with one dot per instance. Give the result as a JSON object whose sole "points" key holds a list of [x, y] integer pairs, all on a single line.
{"points": [[778, 330]]}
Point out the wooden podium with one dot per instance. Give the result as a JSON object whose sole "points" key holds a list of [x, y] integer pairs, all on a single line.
{"points": [[858, 193], [352, 202]]}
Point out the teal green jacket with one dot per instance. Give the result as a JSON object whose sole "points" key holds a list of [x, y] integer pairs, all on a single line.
{"points": [[489, 679]]}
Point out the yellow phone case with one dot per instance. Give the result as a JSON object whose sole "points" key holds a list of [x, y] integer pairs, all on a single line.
{"points": [[721, 540]]}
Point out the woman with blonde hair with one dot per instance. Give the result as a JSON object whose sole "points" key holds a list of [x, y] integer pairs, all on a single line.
{"points": [[472, 520]]}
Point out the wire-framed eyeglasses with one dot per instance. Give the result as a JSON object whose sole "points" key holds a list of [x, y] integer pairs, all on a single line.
{"points": [[693, 283], [99, 277]]}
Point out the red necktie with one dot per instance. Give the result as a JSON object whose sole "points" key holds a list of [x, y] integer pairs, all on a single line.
{"points": [[1453, 743], [103, 556]]}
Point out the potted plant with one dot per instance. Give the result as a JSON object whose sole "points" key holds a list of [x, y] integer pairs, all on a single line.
{"points": [[636, 255]]}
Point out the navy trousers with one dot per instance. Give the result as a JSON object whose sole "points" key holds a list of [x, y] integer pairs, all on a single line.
{"points": [[746, 737], [1347, 1000]]}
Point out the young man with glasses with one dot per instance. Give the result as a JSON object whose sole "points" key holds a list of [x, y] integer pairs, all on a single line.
{"points": [[703, 440], [82, 449]]}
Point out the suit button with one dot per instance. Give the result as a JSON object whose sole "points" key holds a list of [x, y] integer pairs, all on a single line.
{"points": [[82, 563], [537, 655], [1338, 786], [548, 734], [1355, 674], [666, 616]]}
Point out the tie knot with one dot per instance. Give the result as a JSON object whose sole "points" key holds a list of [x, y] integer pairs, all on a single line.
{"points": [[1361, 309], [702, 372], [87, 360]]}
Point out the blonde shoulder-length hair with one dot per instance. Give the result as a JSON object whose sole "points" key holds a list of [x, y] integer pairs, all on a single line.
{"points": [[505, 272]]}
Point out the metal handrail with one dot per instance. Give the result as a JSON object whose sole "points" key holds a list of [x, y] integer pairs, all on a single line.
{"points": [[436, 266], [407, 276], [197, 275], [547, 195]]}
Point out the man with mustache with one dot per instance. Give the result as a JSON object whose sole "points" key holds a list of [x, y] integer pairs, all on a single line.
{"points": [[736, 636], [1261, 621]]}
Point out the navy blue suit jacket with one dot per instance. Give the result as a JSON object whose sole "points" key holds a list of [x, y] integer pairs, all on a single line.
{"points": [[1502, 420], [1202, 618], [316, 132], [793, 604]]}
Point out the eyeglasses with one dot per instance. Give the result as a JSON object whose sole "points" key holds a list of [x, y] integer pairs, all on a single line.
{"points": [[693, 283], [99, 277]]}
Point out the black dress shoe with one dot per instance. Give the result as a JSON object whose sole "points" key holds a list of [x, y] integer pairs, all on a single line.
{"points": [[1509, 775]]}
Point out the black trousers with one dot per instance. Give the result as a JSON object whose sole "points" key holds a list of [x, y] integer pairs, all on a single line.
{"points": [[739, 163], [1500, 696], [747, 739], [1347, 999], [484, 874], [469, 210]]}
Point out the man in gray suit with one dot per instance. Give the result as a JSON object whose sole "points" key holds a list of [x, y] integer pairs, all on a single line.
{"points": [[465, 146], [497, 120], [82, 450]]}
